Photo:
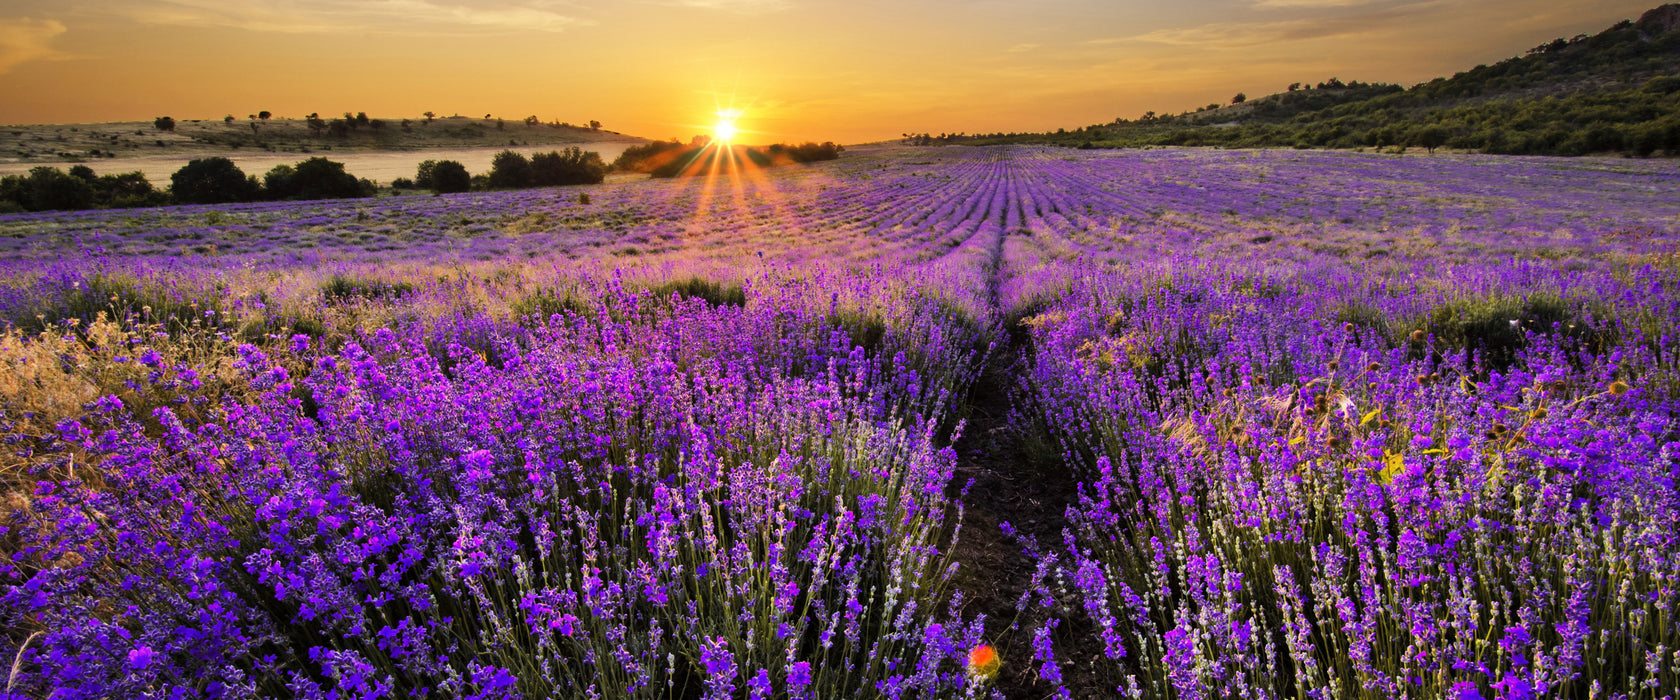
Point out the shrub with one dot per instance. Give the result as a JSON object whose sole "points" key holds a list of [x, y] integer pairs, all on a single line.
{"points": [[163, 124], [212, 180], [449, 176], [127, 190], [572, 166], [423, 174], [714, 293], [646, 157], [510, 170], [341, 288], [45, 189], [316, 178], [810, 151]]}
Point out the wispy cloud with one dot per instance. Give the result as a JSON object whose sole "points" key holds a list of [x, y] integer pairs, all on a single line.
{"points": [[1022, 48], [1233, 35], [361, 16], [24, 39], [744, 7], [1310, 4]]}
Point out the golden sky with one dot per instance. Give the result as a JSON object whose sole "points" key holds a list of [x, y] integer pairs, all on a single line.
{"points": [[842, 70]]}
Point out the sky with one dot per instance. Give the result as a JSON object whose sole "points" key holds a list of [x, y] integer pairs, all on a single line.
{"points": [[849, 71]]}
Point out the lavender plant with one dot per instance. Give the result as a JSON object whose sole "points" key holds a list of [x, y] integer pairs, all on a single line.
{"points": [[1347, 425]]}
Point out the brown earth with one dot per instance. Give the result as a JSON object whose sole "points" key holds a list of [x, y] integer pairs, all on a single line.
{"points": [[1010, 479]]}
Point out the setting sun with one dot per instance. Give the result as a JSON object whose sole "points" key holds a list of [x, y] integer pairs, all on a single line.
{"points": [[724, 130]]}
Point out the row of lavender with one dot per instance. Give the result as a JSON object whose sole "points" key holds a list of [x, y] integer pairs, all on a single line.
{"points": [[651, 496], [906, 207], [1328, 483]]}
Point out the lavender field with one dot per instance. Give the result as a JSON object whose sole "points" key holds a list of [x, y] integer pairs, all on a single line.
{"points": [[1148, 423]]}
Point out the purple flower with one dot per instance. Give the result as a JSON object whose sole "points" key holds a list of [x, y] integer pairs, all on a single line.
{"points": [[141, 657]]}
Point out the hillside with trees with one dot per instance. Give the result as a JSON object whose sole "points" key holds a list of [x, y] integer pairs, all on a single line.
{"points": [[1614, 92], [267, 132]]}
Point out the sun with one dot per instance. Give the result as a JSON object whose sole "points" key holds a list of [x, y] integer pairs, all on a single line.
{"points": [[724, 130]]}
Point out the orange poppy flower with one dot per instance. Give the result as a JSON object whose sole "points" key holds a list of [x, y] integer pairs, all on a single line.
{"points": [[983, 661]]}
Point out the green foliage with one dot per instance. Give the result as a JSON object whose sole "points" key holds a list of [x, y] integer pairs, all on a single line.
{"points": [[423, 175], [445, 177], [342, 288], [510, 170], [572, 166], [809, 152], [212, 180], [316, 178], [50, 188], [537, 307], [1618, 91], [646, 157], [47, 188], [714, 293]]}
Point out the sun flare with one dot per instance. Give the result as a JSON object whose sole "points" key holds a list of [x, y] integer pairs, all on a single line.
{"points": [[724, 130]]}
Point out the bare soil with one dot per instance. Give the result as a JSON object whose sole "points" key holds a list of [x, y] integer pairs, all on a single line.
{"points": [[1009, 483]]}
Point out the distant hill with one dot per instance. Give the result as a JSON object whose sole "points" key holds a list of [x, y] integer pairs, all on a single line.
{"points": [[90, 142], [1616, 91]]}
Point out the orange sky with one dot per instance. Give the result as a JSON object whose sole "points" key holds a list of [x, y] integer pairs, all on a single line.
{"points": [[848, 71]]}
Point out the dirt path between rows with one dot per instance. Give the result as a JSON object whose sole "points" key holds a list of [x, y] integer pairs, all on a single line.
{"points": [[1012, 484]]}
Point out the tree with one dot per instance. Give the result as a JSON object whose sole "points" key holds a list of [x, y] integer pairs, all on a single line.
{"points": [[316, 178], [572, 166], [423, 175], [1430, 137], [212, 180], [809, 151], [510, 170], [361, 119], [449, 176], [532, 120], [428, 116], [163, 124], [48, 189], [1239, 99], [264, 115], [277, 183], [127, 190], [594, 125]]}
